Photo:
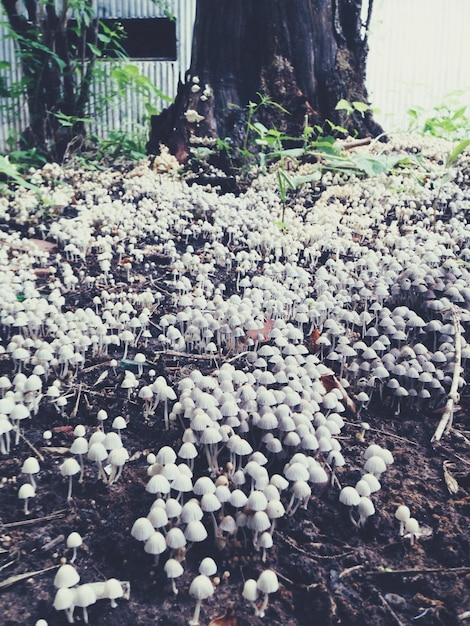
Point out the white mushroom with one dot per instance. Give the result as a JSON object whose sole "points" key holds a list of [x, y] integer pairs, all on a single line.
{"points": [[201, 588]]}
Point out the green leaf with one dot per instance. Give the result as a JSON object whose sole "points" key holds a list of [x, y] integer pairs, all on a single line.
{"points": [[361, 107], [344, 105], [457, 151], [103, 38], [260, 129], [94, 49]]}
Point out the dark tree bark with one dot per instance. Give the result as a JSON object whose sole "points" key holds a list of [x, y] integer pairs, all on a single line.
{"points": [[305, 55]]}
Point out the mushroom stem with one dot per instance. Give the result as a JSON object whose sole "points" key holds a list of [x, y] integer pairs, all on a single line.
{"points": [[173, 587], [25, 509], [85, 615], [351, 517], [69, 614], [216, 527], [101, 472], [69, 493], [264, 605], [197, 610]]}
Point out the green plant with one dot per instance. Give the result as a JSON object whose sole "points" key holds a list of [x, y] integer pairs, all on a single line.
{"points": [[59, 45], [11, 173], [443, 180], [448, 120]]}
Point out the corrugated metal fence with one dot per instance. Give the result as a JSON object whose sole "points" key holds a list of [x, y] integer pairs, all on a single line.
{"points": [[126, 113], [419, 51]]}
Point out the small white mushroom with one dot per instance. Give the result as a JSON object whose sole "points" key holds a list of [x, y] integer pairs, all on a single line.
{"points": [[201, 588], [84, 596], [113, 590], [65, 601], [25, 492], [70, 467], [173, 569], [250, 593], [267, 583], [30, 467], [402, 514], [74, 541]]}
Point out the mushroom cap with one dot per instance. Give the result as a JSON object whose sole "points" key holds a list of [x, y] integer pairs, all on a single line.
{"points": [[118, 457], [70, 467], [208, 566], [112, 589], [66, 576], [175, 538], [363, 488], [30, 465], [349, 496], [375, 465], [201, 587], [296, 471], [158, 484], [372, 481], [142, 529], [97, 452], [412, 525], [267, 581], [26, 491], [238, 499], [112, 441], [259, 522], [64, 598], [403, 513], [275, 509], [74, 540], [84, 595], [155, 544], [210, 502], [191, 510], [257, 501], [265, 540], [195, 531], [79, 446], [173, 568], [365, 507], [250, 590]]}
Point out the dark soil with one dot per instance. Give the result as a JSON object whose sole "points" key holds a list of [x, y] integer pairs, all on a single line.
{"points": [[329, 572]]}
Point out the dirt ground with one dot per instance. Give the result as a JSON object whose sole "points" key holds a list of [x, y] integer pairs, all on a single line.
{"points": [[329, 572]]}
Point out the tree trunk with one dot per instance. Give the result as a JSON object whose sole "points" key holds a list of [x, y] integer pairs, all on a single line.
{"points": [[49, 69], [304, 55]]}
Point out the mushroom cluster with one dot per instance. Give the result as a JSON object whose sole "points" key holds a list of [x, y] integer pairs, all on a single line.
{"points": [[366, 285]]}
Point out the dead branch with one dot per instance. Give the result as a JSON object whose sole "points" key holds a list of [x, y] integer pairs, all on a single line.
{"points": [[17, 578], [453, 396], [28, 522], [390, 610], [35, 450]]}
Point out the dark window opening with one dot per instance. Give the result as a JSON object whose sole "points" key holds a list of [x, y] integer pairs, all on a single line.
{"points": [[144, 38]]}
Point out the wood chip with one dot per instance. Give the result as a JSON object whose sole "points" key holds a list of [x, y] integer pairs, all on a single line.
{"points": [[451, 484]]}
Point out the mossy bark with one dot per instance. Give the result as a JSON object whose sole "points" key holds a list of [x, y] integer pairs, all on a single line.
{"points": [[305, 55]]}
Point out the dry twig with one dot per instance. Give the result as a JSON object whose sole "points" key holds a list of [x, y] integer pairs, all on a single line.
{"points": [[453, 396], [18, 577]]}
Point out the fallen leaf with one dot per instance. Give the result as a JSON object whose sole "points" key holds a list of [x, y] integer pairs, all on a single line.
{"points": [[262, 334], [312, 340], [45, 246], [451, 484], [331, 382], [229, 619]]}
